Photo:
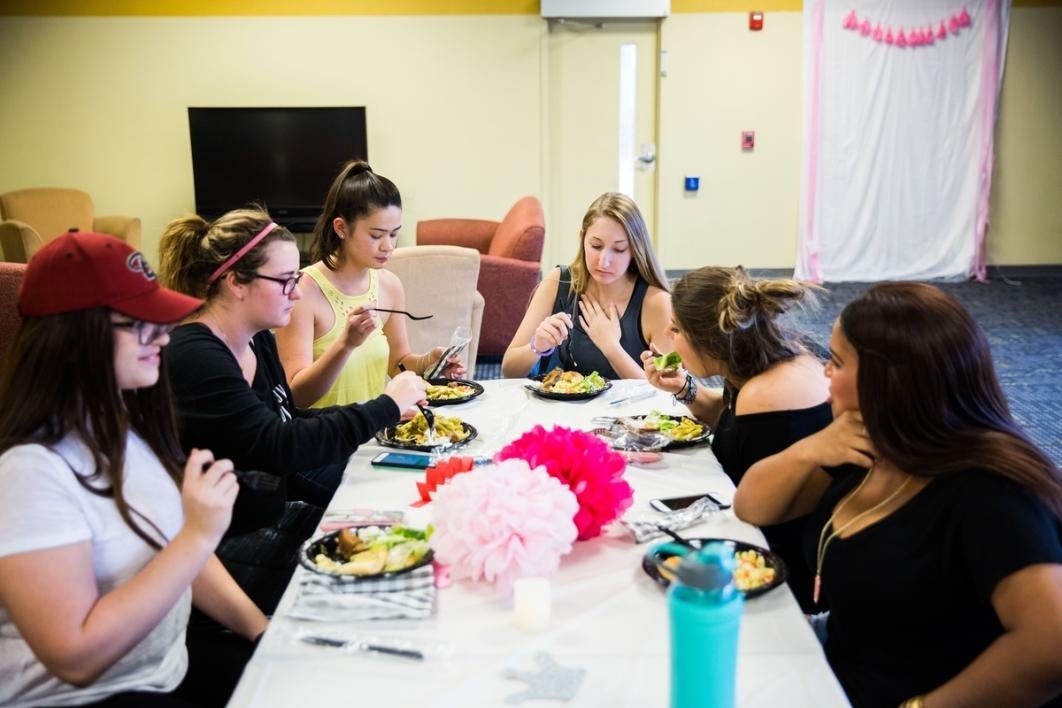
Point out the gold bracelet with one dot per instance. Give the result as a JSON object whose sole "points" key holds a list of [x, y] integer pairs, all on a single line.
{"points": [[914, 702]]}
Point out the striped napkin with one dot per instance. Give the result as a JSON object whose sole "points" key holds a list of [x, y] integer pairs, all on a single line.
{"points": [[683, 518], [327, 599]]}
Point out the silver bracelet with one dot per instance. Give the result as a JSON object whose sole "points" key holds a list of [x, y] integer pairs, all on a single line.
{"points": [[690, 394]]}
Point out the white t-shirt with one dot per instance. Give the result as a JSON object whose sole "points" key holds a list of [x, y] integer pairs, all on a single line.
{"points": [[42, 505]]}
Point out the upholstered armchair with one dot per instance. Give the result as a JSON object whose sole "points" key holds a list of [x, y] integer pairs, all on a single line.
{"points": [[440, 281], [33, 217], [509, 269]]}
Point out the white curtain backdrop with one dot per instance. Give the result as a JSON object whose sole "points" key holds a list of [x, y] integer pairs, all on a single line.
{"points": [[898, 137]]}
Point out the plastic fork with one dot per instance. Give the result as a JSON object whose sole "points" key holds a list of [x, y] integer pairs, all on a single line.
{"points": [[402, 312]]}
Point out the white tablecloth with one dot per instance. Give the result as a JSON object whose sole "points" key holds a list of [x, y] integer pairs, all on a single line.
{"points": [[608, 617]]}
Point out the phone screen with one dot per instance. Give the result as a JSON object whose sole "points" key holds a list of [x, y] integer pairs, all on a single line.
{"points": [[676, 503], [405, 460]]}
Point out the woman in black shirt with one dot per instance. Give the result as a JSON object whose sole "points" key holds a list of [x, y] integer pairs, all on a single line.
{"points": [[936, 534], [774, 392], [232, 396]]}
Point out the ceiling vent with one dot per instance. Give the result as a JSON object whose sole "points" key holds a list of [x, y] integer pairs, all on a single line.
{"points": [[604, 9]]}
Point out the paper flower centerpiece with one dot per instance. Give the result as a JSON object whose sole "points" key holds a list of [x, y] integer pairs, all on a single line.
{"points": [[503, 522], [584, 462], [439, 474]]}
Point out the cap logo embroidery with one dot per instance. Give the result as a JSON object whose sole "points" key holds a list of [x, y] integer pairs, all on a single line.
{"points": [[138, 264]]}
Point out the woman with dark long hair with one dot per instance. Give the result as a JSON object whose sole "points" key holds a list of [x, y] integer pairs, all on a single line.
{"points": [[936, 520], [337, 348], [730, 325], [106, 540]]}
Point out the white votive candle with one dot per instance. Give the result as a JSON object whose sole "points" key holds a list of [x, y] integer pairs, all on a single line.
{"points": [[531, 603]]}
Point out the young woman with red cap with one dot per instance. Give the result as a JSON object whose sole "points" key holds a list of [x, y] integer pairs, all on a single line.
{"points": [[105, 541]]}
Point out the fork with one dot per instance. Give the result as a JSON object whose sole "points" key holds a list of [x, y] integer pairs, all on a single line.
{"points": [[402, 312], [429, 418]]}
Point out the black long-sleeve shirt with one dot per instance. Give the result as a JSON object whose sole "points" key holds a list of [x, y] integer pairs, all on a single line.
{"points": [[257, 426]]}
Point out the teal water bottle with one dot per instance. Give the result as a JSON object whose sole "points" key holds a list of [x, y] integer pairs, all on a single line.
{"points": [[705, 609]]}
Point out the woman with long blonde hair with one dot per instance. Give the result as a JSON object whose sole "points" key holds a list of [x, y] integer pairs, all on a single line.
{"points": [[601, 311]]}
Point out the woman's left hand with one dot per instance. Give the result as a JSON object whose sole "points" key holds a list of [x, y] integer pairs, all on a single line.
{"points": [[601, 324], [453, 369]]}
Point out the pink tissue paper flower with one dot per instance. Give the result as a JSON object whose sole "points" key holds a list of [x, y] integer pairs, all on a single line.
{"points": [[503, 522], [584, 462]]}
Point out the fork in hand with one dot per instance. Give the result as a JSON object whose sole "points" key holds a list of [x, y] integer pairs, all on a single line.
{"points": [[402, 312], [428, 413]]}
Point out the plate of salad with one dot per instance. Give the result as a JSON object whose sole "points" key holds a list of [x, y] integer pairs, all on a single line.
{"points": [[680, 430], [561, 385], [359, 553]]}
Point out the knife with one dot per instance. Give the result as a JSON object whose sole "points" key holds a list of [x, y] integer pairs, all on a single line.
{"points": [[633, 397], [363, 646]]}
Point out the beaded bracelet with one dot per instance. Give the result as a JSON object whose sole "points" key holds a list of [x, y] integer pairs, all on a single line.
{"points": [[546, 352], [690, 394]]}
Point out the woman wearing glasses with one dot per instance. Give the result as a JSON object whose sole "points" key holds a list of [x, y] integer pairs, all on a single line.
{"points": [[338, 348], [106, 538], [602, 311], [227, 378]]}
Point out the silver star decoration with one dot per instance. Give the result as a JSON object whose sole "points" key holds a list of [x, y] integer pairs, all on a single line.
{"points": [[552, 682]]}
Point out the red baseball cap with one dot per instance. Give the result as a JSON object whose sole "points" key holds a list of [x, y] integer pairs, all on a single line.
{"points": [[79, 271]]}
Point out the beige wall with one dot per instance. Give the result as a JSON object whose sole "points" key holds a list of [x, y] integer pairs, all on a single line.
{"points": [[456, 109], [1026, 206], [100, 103], [723, 79]]}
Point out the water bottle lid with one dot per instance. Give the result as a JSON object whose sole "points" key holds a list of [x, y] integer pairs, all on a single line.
{"points": [[710, 568]]}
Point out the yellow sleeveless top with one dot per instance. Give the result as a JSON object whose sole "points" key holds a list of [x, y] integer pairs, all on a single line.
{"points": [[365, 374]]}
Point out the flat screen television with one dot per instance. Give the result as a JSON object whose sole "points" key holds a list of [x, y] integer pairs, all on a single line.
{"points": [[285, 158]]}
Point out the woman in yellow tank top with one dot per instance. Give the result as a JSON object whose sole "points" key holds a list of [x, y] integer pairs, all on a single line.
{"points": [[338, 349]]}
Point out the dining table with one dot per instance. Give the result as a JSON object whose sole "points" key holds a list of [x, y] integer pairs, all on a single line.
{"points": [[608, 619]]}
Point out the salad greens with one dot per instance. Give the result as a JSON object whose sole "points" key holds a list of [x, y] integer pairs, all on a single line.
{"points": [[668, 362]]}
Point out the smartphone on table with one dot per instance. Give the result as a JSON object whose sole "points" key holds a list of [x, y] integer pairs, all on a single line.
{"points": [[675, 503], [403, 460]]}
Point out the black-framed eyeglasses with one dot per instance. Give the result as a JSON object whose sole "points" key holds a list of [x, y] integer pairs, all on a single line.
{"points": [[146, 332], [287, 283]]}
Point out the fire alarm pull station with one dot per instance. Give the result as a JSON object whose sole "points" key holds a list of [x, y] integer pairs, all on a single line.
{"points": [[748, 140], [756, 20]]}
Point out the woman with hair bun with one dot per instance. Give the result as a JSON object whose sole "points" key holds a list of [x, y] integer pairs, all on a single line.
{"points": [[231, 393], [338, 348], [935, 523], [774, 393]]}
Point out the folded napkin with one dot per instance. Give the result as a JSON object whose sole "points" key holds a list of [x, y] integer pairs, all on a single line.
{"points": [[405, 596], [648, 530]]}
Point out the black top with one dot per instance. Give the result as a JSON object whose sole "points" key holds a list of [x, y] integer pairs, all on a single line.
{"points": [[910, 595], [257, 426], [578, 352], [740, 441]]}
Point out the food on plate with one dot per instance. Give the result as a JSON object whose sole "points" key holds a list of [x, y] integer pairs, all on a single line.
{"points": [[674, 427], [668, 362], [415, 432], [752, 571], [561, 381], [452, 390], [370, 550]]}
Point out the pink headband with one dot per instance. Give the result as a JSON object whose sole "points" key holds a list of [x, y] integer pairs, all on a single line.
{"points": [[242, 252]]}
